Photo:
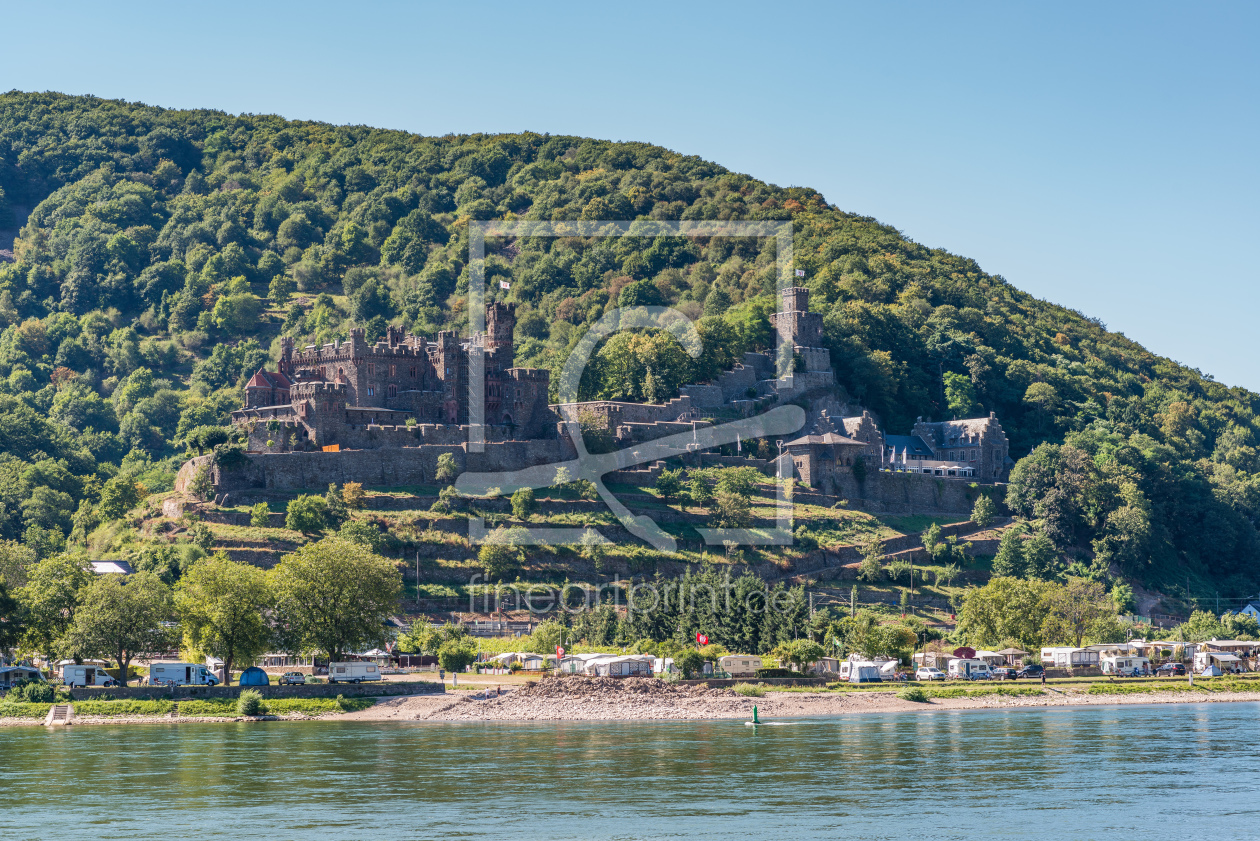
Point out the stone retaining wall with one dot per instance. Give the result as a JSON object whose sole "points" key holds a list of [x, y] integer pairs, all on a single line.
{"points": [[319, 690]]}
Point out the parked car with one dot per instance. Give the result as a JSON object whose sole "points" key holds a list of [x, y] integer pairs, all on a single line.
{"points": [[1004, 673], [986, 674], [1031, 670], [289, 678], [928, 673], [1171, 670]]}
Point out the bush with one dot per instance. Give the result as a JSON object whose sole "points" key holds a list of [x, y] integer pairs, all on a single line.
{"points": [[690, 663], [751, 690], [913, 693], [260, 515], [250, 703], [779, 673]]}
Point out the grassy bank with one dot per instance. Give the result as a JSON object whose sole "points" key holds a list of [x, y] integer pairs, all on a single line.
{"points": [[212, 708]]}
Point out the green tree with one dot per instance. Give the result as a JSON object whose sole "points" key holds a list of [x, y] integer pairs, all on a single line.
{"points": [[499, 560], [1073, 607], [456, 654], [335, 595], [447, 470], [669, 484], [352, 495], [871, 568], [1009, 560], [523, 503], [1122, 598], [336, 511], [260, 515], [121, 618], [364, 533], [983, 512], [1040, 558], [12, 620], [118, 496], [53, 592], [307, 514], [220, 605], [1043, 399], [960, 395], [690, 663], [1005, 610], [698, 490], [733, 510]]}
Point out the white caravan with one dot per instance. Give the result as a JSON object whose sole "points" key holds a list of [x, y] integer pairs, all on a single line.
{"points": [[740, 665], [969, 669], [353, 672], [181, 674], [85, 675]]}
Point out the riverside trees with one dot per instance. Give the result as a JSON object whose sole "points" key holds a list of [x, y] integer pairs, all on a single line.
{"points": [[123, 617], [335, 595], [220, 605]]}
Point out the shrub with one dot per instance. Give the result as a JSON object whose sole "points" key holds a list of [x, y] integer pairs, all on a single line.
{"points": [[259, 515], [38, 692], [250, 703], [778, 673], [751, 690], [913, 693], [690, 662]]}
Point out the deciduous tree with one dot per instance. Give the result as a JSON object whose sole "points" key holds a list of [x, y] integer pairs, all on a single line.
{"points": [[220, 605]]}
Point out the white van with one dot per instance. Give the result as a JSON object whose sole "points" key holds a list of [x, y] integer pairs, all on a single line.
{"points": [[181, 674], [740, 665], [353, 672], [969, 669], [1125, 664], [86, 676]]}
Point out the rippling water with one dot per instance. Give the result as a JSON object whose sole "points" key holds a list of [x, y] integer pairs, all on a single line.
{"points": [[1131, 772]]}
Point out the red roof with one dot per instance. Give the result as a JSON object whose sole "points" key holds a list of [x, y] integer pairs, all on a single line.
{"points": [[268, 379]]}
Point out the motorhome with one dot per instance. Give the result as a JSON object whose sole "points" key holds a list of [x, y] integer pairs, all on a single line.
{"points": [[740, 665], [353, 672], [1066, 657], [181, 674], [86, 675], [969, 668]]}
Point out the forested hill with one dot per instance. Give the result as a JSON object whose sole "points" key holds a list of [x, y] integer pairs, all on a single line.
{"points": [[162, 245]]}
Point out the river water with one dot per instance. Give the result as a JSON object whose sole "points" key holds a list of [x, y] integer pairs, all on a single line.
{"points": [[1133, 772]]}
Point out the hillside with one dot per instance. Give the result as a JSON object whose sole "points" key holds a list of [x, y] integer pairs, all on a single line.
{"points": [[162, 253]]}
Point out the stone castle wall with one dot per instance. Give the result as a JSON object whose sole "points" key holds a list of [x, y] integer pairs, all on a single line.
{"points": [[374, 468]]}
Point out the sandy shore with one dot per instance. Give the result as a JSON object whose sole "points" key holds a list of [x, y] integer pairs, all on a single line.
{"points": [[635, 699]]}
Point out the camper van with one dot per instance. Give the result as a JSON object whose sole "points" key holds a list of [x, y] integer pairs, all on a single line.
{"points": [[969, 669], [181, 674], [740, 665], [353, 672], [86, 676]]}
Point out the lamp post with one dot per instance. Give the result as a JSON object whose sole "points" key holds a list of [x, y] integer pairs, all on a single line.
{"points": [[779, 443]]}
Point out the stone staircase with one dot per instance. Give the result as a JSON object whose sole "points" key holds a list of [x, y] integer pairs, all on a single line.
{"points": [[60, 714]]}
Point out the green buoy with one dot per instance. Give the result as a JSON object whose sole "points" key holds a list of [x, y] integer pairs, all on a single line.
{"points": [[755, 721]]}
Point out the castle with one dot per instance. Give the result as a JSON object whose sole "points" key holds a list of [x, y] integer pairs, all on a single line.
{"points": [[346, 393], [391, 408]]}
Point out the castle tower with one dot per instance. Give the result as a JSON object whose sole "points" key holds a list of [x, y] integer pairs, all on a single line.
{"points": [[500, 321], [286, 356], [796, 326]]}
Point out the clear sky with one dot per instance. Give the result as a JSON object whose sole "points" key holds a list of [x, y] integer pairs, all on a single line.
{"points": [[1099, 155]]}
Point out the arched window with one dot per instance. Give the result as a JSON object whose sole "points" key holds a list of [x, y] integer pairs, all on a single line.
{"points": [[393, 390]]}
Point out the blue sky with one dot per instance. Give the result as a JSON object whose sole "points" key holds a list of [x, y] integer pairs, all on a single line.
{"points": [[1101, 156]]}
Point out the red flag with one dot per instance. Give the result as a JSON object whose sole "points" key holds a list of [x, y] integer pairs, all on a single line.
{"points": [[559, 652], [701, 638]]}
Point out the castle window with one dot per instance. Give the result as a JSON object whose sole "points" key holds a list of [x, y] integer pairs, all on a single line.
{"points": [[393, 370], [393, 390], [371, 391], [371, 370], [413, 372]]}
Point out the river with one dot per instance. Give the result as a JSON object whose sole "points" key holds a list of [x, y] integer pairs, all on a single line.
{"points": [[1133, 772]]}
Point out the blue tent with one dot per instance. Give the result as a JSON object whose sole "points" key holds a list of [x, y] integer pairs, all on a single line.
{"points": [[254, 676]]}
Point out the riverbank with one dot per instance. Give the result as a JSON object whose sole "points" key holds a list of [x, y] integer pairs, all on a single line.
{"points": [[572, 698], [627, 699]]}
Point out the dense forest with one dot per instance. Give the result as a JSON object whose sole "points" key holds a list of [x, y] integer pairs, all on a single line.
{"points": [[160, 255]]}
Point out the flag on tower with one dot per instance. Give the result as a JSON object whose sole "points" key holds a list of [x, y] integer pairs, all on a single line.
{"points": [[503, 284], [800, 272]]}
